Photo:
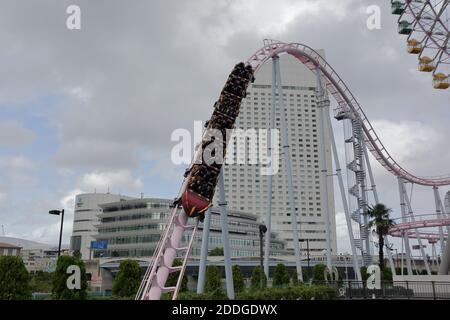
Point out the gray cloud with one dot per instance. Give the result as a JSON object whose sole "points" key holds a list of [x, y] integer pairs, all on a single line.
{"points": [[135, 72]]}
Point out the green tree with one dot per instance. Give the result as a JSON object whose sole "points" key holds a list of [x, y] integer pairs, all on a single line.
{"points": [[238, 279], [126, 283], [173, 277], [60, 276], [216, 252], [364, 274], [213, 279], [41, 281], [257, 275], [294, 278], [280, 276], [14, 279], [318, 272], [379, 215], [77, 254]]}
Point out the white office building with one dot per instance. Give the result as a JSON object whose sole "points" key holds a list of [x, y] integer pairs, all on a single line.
{"points": [[246, 188], [85, 219]]}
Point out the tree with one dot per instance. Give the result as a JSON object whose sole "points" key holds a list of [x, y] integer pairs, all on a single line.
{"points": [[127, 280], [379, 215], [257, 276], [280, 276], [238, 279], [14, 279], [364, 274], [60, 289], [213, 280], [294, 278], [216, 252], [173, 277], [77, 254], [41, 281], [318, 272]]}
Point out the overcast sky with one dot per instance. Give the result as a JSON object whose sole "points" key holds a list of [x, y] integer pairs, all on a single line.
{"points": [[92, 109]]}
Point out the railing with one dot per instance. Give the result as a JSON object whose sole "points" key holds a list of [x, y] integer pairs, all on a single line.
{"points": [[429, 290]]}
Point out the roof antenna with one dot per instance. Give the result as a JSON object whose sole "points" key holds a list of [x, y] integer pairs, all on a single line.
{"points": [[3, 230], [142, 195]]}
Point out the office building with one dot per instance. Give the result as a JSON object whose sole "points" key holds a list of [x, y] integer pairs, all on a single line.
{"points": [[133, 228], [86, 217], [246, 188]]}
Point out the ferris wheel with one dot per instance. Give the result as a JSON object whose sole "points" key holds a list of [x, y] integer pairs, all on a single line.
{"points": [[427, 25]]}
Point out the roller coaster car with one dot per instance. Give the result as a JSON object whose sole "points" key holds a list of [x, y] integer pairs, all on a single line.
{"points": [[426, 64], [414, 47], [441, 81], [397, 7], [194, 205]]}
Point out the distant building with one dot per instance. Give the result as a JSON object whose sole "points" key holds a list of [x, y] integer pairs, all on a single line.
{"points": [[40, 259], [133, 228], [85, 218], [7, 249]]}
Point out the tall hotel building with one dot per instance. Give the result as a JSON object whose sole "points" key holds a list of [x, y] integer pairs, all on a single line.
{"points": [[246, 188]]}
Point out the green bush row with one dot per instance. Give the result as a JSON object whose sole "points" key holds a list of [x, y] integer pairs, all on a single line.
{"points": [[301, 292]]}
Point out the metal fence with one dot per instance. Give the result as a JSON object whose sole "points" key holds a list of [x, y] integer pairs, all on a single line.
{"points": [[391, 290]]}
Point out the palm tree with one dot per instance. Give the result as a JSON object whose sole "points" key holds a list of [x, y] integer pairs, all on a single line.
{"points": [[380, 219]]}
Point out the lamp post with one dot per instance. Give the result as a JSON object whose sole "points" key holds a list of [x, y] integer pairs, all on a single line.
{"points": [[57, 213], [307, 256], [262, 231]]}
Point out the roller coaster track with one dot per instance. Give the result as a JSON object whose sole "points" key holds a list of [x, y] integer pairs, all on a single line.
{"points": [[154, 282], [346, 103]]}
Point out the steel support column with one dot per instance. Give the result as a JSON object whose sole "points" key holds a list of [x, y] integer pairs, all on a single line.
{"points": [[225, 237], [287, 163], [405, 236], [422, 250], [322, 103], [204, 252], [272, 148]]}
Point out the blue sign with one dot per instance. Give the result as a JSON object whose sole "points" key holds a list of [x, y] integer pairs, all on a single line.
{"points": [[99, 244]]}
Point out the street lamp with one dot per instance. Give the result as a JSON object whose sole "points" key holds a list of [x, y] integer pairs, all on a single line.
{"points": [[262, 231], [307, 255], [57, 213]]}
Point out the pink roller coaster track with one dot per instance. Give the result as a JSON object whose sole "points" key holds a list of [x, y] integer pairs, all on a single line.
{"points": [[346, 101]]}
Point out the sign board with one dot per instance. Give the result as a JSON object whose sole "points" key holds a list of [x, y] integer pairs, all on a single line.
{"points": [[99, 245]]}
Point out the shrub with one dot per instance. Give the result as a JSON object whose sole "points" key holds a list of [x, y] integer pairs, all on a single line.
{"points": [[127, 280], [318, 272], [41, 282], [238, 279], [14, 279], [216, 252], [213, 280], [294, 278], [280, 276], [301, 292], [60, 276], [257, 274]]}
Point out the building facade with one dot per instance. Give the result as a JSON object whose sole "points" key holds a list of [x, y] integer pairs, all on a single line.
{"points": [[86, 217], [7, 249], [247, 189], [133, 228]]}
